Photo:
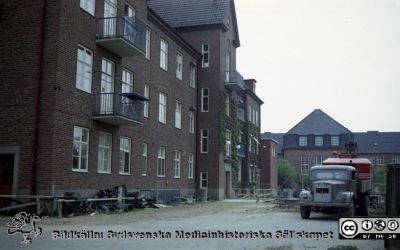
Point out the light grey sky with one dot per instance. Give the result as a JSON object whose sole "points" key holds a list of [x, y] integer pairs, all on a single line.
{"points": [[341, 56]]}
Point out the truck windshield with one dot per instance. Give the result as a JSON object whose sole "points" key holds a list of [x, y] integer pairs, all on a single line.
{"points": [[329, 174]]}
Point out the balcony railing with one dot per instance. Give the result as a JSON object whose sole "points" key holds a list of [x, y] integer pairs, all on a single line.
{"points": [[241, 150], [234, 81], [240, 114], [123, 35], [118, 109]]}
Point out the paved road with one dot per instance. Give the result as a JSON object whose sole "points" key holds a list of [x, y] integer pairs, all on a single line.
{"points": [[233, 219]]}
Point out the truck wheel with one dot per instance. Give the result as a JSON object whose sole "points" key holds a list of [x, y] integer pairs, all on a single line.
{"points": [[305, 212]]}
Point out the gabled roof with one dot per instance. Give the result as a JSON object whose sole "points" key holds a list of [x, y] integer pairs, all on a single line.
{"points": [[318, 122], [183, 13], [374, 142], [187, 13]]}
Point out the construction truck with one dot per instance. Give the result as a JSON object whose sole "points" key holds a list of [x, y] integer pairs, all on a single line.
{"points": [[341, 184]]}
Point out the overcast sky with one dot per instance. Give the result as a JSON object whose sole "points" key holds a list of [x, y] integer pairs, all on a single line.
{"points": [[341, 56]]}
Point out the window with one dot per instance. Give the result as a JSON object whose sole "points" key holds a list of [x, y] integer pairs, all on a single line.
{"points": [[124, 155], [104, 154], [254, 117], [335, 140], [84, 69], [191, 121], [318, 160], [204, 100], [146, 103], [127, 81], [273, 151], [228, 144], [148, 42], [256, 146], [257, 123], [204, 141], [164, 55], [227, 105], [250, 143], [205, 51], [380, 160], [162, 108], [80, 149], [179, 65], [144, 159], [319, 140], [372, 160], [227, 66], [190, 166], [177, 164], [193, 75], [396, 159], [203, 180], [303, 140], [161, 162], [249, 113], [178, 114], [88, 6], [304, 164]]}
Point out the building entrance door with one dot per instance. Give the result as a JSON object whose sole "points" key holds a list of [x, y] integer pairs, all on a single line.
{"points": [[6, 176]]}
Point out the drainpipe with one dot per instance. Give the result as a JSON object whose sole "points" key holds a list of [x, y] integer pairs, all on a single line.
{"points": [[36, 117], [196, 130]]}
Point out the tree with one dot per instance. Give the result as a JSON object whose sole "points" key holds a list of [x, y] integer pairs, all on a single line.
{"points": [[287, 174]]}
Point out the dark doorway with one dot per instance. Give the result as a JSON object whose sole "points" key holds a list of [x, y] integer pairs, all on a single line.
{"points": [[6, 176]]}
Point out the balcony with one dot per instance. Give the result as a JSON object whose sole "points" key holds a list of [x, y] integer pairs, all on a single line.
{"points": [[123, 36], [241, 150], [240, 113], [234, 81], [118, 109]]}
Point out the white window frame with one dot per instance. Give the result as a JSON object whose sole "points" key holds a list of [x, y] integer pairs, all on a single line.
{"points": [[318, 159], [84, 68], [127, 81], [304, 164], [396, 159], [335, 140], [257, 120], [203, 178], [89, 6], [106, 167], [190, 165], [191, 121], [319, 140], [205, 63], [80, 144], [146, 93], [125, 147], [193, 75], [380, 160], [204, 141], [145, 149], [161, 162], [228, 143], [162, 108], [205, 99], [179, 65], [303, 141], [178, 114], [249, 113], [177, 164], [164, 55], [148, 44]]}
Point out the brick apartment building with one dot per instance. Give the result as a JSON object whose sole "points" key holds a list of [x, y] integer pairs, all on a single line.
{"points": [[318, 136], [99, 93]]}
